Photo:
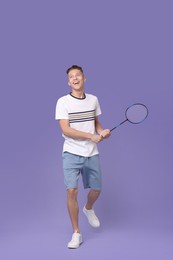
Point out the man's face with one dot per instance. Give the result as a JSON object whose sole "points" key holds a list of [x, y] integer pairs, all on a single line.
{"points": [[76, 79]]}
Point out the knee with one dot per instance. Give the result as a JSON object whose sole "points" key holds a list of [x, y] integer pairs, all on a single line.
{"points": [[72, 193], [97, 192]]}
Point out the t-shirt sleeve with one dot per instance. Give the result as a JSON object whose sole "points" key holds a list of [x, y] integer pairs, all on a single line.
{"points": [[61, 111], [98, 109]]}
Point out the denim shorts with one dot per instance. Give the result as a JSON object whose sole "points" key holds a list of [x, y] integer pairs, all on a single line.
{"points": [[88, 167]]}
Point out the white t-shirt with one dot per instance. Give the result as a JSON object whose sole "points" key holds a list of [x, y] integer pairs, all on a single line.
{"points": [[81, 114]]}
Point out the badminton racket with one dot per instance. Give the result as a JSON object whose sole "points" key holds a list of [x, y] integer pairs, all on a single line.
{"points": [[134, 114]]}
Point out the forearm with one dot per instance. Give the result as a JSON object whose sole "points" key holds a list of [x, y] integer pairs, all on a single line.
{"points": [[98, 127], [76, 134], [67, 130], [104, 133]]}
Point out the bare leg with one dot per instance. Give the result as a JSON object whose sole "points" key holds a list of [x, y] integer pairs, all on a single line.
{"points": [[73, 209], [92, 197]]}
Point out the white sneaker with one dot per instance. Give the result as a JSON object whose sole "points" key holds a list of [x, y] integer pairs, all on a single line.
{"points": [[75, 241], [92, 218]]}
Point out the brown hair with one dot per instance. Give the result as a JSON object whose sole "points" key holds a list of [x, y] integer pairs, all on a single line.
{"points": [[74, 67]]}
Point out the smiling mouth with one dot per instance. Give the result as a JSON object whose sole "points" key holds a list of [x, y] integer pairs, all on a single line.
{"points": [[76, 83]]}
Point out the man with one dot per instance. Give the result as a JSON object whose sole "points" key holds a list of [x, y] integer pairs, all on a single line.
{"points": [[78, 114]]}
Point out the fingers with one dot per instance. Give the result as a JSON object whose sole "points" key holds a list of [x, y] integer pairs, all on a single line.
{"points": [[97, 138], [105, 133]]}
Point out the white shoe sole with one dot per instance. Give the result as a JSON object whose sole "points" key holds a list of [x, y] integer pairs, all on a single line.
{"points": [[74, 247]]}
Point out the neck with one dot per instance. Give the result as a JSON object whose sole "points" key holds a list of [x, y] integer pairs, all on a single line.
{"points": [[78, 94]]}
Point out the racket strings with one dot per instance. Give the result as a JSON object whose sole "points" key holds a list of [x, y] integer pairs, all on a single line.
{"points": [[136, 113]]}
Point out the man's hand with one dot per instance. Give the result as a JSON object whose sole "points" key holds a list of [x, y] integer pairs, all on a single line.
{"points": [[96, 138], [105, 133]]}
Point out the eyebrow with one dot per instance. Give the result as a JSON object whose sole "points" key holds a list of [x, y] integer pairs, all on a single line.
{"points": [[77, 73]]}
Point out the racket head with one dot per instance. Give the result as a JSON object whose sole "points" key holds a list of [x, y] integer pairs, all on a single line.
{"points": [[136, 113]]}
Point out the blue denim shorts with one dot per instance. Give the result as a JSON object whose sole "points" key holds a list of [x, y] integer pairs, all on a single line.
{"points": [[88, 167]]}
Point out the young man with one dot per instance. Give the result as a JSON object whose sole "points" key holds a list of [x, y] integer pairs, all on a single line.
{"points": [[78, 114]]}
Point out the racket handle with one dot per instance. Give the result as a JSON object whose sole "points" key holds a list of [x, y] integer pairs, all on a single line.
{"points": [[119, 125], [113, 128]]}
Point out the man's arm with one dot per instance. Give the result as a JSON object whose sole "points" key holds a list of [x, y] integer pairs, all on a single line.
{"points": [[104, 133], [76, 134], [98, 126]]}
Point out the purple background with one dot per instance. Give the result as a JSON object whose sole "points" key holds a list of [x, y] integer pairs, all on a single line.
{"points": [[125, 48]]}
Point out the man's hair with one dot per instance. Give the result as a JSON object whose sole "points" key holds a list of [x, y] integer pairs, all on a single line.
{"points": [[74, 67]]}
